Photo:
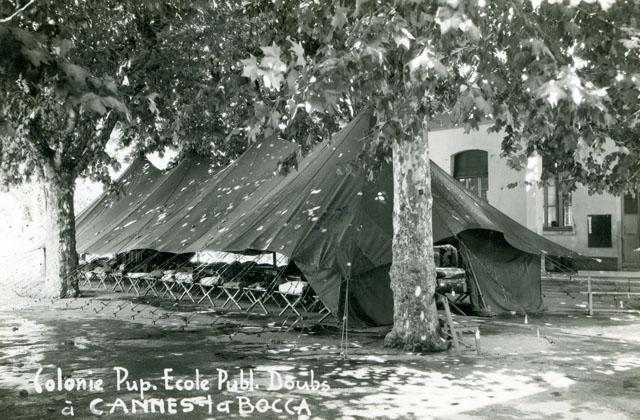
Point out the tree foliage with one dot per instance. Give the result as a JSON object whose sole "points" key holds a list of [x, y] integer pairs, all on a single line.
{"points": [[160, 74], [49, 101], [556, 78]]}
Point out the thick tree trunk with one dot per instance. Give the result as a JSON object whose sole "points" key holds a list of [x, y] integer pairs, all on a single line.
{"points": [[416, 326], [61, 258]]}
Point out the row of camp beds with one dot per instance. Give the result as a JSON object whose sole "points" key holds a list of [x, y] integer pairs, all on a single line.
{"points": [[291, 296]]}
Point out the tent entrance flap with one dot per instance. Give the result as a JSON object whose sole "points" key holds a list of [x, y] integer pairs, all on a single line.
{"points": [[371, 298], [504, 279]]}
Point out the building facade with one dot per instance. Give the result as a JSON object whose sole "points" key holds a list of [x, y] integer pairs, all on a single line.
{"points": [[601, 226]]}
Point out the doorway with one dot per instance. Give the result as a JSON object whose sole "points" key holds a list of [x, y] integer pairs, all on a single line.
{"points": [[630, 231]]}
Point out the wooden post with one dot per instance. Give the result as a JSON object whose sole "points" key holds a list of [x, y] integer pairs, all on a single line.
{"points": [[589, 296], [447, 311], [275, 261], [477, 338]]}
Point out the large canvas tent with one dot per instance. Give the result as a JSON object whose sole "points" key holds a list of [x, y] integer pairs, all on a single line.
{"points": [[325, 215]]}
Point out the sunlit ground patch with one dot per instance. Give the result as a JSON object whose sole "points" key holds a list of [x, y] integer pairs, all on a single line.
{"points": [[400, 391]]}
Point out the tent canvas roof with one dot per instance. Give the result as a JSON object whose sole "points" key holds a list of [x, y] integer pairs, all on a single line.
{"points": [[326, 215], [249, 205]]}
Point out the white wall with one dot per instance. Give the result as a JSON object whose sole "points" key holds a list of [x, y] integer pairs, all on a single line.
{"points": [[583, 205], [525, 202], [443, 144]]}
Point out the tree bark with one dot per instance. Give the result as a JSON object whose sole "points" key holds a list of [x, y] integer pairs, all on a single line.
{"points": [[416, 326], [61, 258]]}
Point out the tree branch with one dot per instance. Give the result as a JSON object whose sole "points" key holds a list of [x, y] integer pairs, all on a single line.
{"points": [[17, 12], [40, 145], [83, 154], [66, 137]]}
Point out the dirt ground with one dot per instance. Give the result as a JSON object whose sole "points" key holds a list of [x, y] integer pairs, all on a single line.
{"points": [[562, 367]]}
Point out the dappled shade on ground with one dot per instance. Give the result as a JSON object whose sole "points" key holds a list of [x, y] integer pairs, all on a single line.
{"points": [[519, 373]]}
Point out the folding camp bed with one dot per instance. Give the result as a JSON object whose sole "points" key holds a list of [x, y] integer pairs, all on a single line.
{"points": [[212, 285], [168, 283], [293, 294], [207, 286], [325, 312], [101, 276], [234, 289], [102, 279], [186, 284], [318, 303], [87, 278], [153, 281], [260, 293], [256, 293], [233, 292], [140, 283], [134, 282], [118, 281]]}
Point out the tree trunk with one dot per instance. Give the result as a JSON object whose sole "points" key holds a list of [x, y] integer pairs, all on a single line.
{"points": [[61, 258], [416, 326]]}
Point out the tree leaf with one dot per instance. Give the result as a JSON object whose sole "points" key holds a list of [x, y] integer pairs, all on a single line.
{"points": [[298, 50], [152, 103], [292, 78], [76, 75], [339, 19], [271, 51], [250, 68], [96, 105], [272, 63], [426, 60], [272, 79], [552, 92], [36, 56]]}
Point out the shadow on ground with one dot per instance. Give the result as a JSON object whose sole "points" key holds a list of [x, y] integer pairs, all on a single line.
{"points": [[550, 368]]}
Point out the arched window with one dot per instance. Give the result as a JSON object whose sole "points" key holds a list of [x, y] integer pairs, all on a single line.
{"points": [[471, 168]]}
